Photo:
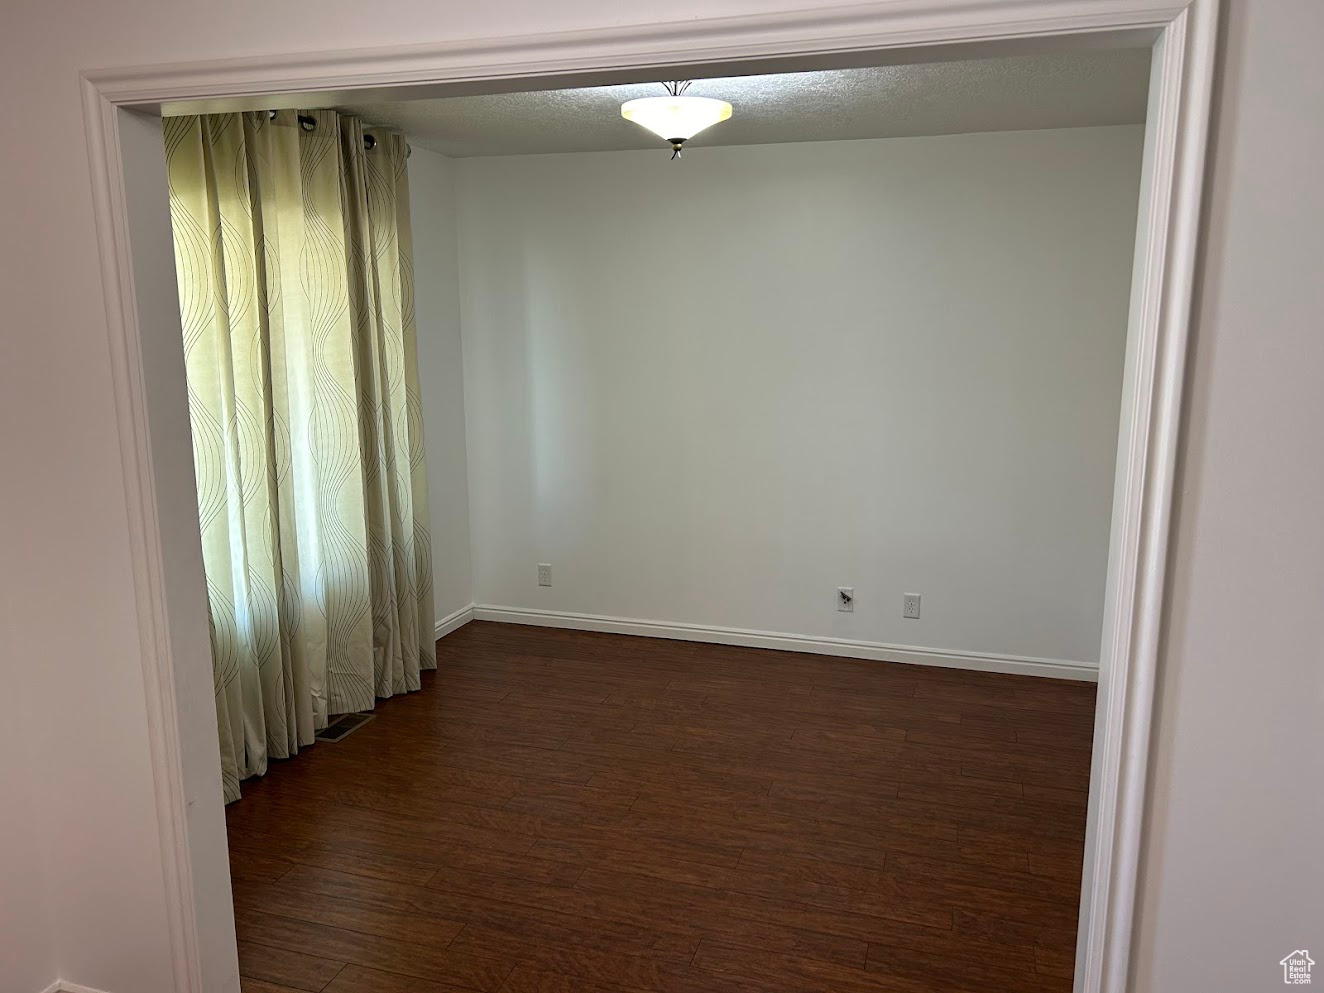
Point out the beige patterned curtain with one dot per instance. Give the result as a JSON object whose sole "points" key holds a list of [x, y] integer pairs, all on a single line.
{"points": [[292, 245]]}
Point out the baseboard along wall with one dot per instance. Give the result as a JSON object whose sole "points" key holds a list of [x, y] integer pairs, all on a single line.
{"points": [[776, 640], [453, 621]]}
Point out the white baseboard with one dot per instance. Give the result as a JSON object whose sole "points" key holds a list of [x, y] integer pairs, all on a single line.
{"points": [[874, 650], [455, 620], [61, 986]]}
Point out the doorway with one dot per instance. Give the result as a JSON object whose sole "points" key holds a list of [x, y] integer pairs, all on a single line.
{"points": [[156, 467]]}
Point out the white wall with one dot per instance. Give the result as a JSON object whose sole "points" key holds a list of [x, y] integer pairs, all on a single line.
{"points": [[440, 368], [1234, 855], [27, 947], [1233, 871], [712, 391]]}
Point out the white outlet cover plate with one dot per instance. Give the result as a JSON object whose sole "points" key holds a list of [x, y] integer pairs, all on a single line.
{"points": [[910, 605], [843, 605]]}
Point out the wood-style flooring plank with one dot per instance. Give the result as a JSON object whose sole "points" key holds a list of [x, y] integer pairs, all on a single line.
{"points": [[356, 979], [561, 811], [412, 957], [258, 986], [285, 967]]}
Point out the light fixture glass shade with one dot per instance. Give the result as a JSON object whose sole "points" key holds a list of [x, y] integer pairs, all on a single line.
{"points": [[676, 118]]}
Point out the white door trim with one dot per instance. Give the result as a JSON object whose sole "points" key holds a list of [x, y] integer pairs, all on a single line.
{"points": [[901, 30]]}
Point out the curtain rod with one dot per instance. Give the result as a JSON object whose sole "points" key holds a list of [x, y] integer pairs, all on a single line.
{"points": [[308, 123]]}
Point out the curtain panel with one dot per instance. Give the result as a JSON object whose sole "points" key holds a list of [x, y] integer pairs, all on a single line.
{"points": [[295, 269]]}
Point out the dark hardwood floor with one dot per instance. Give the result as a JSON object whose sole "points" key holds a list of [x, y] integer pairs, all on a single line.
{"points": [[562, 812]]}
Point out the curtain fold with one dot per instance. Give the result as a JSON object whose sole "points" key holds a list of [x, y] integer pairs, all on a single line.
{"points": [[294, 259]]}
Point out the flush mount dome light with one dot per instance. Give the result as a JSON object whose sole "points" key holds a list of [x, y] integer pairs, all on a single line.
{"points": [[675, 117]]}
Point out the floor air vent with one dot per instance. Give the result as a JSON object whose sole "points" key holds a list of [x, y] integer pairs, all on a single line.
{"points": [[343, 725]]}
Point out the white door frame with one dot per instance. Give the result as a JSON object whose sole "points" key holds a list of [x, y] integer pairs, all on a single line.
{"points": [[1182, 33]]}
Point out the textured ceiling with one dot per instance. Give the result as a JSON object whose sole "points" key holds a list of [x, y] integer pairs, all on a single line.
{"points": [[1008, 94]]}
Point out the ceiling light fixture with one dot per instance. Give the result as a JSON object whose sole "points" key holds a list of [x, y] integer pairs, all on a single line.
{"points": [[675, 117]]}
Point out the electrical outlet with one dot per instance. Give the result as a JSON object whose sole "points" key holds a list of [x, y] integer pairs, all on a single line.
{"points": [[846, 599], [910, 605], [544, 574]]}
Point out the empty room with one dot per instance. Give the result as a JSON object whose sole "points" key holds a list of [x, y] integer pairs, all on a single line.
{"points": [[657, 533], [453, 544]]}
